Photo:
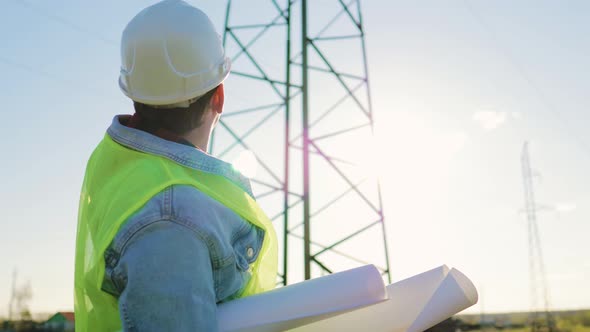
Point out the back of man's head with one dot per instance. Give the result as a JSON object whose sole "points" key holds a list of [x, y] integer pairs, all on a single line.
{"points": [[177, 120], [172, 62]]}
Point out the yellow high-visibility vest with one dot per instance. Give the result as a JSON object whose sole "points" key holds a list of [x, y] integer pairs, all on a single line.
{"points": [[118, 182]]}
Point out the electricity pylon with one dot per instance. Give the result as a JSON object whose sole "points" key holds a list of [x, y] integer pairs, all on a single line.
{"points": [[12, 296], [299, 109], [538, 282]]}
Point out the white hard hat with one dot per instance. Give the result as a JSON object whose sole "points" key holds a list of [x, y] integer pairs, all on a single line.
{"points": [[170, 55]]}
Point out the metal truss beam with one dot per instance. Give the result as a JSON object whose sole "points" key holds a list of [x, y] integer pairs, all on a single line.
{"points": [[296, 183]]}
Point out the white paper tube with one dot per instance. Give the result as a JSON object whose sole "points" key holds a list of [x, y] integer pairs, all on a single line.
{"points": [[455, 294], [303, 303], [407, 298]]}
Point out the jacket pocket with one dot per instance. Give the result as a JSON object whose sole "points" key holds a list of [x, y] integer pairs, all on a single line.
{"points": [[247, 247]]}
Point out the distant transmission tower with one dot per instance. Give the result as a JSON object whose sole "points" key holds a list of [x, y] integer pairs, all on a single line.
{"points": [[12, 296], [538, 281], [299, 109]]}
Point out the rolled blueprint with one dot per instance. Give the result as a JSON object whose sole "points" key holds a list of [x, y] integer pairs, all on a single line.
{"points": [[407, 299], [303, 303], [455, 293], [354, 300]]}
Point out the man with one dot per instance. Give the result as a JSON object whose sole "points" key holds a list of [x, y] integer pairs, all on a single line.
{"points": [[166, 231]]}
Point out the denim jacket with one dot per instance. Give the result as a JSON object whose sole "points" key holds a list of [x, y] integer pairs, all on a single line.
{"points": [[182, 253]]}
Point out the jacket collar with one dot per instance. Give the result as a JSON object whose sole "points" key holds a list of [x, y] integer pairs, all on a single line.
{"points": [[180, 153]]}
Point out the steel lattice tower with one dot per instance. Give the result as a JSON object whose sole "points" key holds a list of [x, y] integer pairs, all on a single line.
{"points": [[538, 281], [299, 100]]}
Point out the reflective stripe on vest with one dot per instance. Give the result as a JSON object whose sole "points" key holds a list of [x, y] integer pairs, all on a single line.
{"points": [[118, 182]]}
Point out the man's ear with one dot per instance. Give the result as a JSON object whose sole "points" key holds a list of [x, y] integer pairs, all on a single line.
{"points": [[218, 99]]}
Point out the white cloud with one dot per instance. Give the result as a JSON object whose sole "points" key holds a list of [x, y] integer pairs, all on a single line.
{"points": [[565, 207], [490, 120], [567, 276]]}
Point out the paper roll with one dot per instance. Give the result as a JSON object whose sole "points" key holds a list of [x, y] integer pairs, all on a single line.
{"points": [[354, 300], [407, 298], [455, 294], [303, 303]]}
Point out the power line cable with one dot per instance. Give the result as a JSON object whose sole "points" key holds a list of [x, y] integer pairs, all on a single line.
{"points": [[32, 70], [61, 20], [53, 78], [65, 22], [548, 105]]}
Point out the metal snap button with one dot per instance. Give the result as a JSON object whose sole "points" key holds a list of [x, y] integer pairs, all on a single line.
{"points": [[250, 252]]}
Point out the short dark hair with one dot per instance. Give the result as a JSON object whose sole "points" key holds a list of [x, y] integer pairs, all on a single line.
{"points": [[177, 120]]}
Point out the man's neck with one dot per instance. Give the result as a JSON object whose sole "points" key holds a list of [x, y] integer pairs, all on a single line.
{"points": [[199, 137], [193, 138]]}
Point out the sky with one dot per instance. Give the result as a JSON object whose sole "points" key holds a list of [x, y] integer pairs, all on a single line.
{"points": [[457, 87]]}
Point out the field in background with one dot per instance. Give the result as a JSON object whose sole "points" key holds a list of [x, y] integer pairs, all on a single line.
{"points": [[566, 321]]}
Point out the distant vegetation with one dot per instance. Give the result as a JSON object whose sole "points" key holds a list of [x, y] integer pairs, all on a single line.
{"points": [[566, 321]]}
